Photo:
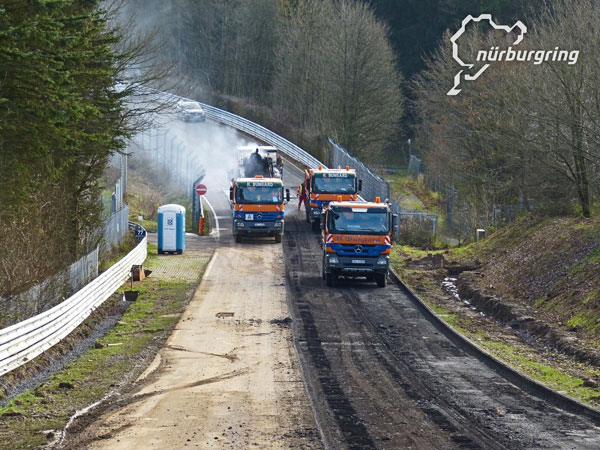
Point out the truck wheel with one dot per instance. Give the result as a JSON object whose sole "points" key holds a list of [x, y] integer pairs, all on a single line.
{"points": [[381, 279], [316, 226], [307, 211], [323, 268], [238, 238], [160, 252], [331, 279], [180, 251], [278, 238]]}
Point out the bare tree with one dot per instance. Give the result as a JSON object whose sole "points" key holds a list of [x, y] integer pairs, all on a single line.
{"points": [[336, 70], [523, 134], [299, 62]]}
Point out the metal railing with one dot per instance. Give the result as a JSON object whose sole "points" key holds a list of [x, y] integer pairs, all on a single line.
{"points": [[263, 134], [258, 131], [25, 340]]}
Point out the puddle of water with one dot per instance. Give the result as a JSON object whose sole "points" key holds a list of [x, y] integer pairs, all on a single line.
{"points": [[449, 286]]}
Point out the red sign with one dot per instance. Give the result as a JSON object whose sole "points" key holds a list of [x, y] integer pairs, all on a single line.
{"points": [[200, 189]]}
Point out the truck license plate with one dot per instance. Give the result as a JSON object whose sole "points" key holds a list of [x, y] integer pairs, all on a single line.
{"points": [[358, 261], [259, 224]]}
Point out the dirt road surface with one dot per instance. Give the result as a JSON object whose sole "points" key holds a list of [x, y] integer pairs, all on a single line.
{"points": [[384, 376], [228, 377]]}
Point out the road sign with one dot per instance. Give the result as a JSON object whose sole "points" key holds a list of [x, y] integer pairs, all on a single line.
{"points": [[200, 189]]}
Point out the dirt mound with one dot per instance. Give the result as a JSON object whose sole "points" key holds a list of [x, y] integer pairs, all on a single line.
{"points": [[523, 319], [430, 262], [437, 261]]}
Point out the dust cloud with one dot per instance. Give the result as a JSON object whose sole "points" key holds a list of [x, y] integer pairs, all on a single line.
{"points": [[214, 146]]}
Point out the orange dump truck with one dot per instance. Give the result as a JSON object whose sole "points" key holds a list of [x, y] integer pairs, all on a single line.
{"points": [[325, 185], [258, 207], [357, 240]]}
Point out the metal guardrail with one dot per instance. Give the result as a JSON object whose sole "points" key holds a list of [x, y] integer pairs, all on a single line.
{"points": [[264, 134], [247, 126], [25, 340]]}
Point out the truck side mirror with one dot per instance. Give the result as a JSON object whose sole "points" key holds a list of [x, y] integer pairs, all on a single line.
{"points": [[231, 193], [395, 224], [287, 195], [359, 185]]}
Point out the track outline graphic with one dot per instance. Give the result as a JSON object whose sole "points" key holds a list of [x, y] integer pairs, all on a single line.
{"points": [[467, 77]]}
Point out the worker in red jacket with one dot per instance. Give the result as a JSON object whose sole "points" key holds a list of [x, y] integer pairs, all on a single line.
{"points": [[301, 191]]}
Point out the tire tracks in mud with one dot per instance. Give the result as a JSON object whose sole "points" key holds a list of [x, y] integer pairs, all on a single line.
{"points": [[358, 399], [380, 375]]}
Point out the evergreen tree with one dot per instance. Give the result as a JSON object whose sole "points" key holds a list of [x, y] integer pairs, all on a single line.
{"points": [[60, 120]]}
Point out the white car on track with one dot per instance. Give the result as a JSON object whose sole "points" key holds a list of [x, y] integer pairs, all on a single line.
{"points": [[190, 111]]}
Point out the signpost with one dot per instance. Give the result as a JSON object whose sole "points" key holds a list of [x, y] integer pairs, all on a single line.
{"points": [[200, 189]]}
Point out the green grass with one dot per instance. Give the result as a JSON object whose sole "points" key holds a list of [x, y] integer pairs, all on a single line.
{"points": [[118, 252], [149, 225], [586, 320], [413, 195], [106, 199], [97, 372], [594, 257], [449, 317], [548, 375]]}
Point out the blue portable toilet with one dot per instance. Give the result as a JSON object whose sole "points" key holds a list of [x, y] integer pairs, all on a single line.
{"points": [[171, 229]]}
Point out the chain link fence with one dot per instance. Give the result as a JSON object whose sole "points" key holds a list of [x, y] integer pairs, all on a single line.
{"points": [[170, 152], [115, 227], [462, 219], [119, 161], [373, 185], [416, 227]]}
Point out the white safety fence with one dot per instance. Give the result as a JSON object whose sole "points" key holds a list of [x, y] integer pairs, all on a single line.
{"points": [[25, 340]]}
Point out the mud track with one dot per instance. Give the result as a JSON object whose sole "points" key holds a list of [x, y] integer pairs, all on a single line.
{"points": [[381, 375]]}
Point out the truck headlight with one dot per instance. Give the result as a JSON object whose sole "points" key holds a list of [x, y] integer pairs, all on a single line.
{"points": [[382, 260], [241, 224], [278, 224], [334, 260]]}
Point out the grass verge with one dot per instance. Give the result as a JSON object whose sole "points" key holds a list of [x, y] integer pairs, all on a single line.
{"points": [[31, 419]]}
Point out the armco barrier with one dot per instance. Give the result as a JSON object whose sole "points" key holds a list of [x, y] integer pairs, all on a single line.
{"points": [[25, 340], [246, 126], [262, 133]]}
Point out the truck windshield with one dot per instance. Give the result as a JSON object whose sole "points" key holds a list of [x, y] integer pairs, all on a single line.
{"points": [[263, 193], [334, 184], [357, 221]]}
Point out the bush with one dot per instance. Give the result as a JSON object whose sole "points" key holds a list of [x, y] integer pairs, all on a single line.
{"points": [[416, 231]]}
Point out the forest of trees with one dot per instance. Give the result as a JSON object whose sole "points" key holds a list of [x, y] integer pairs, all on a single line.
{"points": [[373, 73], [418, 26], [327, 66]]}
